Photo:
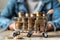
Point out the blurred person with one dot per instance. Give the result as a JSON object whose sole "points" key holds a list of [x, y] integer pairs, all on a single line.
{"points": [[30, 6]]}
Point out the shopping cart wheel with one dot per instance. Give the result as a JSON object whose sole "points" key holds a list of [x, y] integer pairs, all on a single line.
{"points": [[45, 35], [15, 33], [29, 34]]}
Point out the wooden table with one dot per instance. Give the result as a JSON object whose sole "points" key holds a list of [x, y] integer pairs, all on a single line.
{"points": [[4, 35]]}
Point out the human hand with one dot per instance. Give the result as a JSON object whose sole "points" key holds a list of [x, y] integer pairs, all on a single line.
{"points": [[51, 11], [14, 26]]}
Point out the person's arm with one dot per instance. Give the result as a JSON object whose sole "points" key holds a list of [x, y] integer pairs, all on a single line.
{"points": [[56, 15], [22, 8], [55, 23], [9, 9], [6, 14]]}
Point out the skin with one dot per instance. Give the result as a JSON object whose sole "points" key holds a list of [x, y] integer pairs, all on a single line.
{"points": [[11, 26]]}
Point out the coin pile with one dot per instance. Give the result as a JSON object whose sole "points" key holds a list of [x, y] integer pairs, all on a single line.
{"points": [[30, 21]]}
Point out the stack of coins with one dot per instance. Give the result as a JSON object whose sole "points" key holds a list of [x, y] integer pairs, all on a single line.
{"points": [[20, 15], [31, 21], [27, 14], [44, 19], [27, 17], [43, 22], [19, 23], [23, 21], [38, 15], [37, 21]]}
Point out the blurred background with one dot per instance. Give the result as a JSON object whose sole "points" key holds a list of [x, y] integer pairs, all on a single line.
{"points": [[4, 2]]}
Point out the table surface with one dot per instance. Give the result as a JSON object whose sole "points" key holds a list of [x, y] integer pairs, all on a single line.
{"points": [[5, 34]]}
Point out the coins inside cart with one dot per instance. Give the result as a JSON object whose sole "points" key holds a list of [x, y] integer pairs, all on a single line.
{"points": [[20, 14], [18, 25]]}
